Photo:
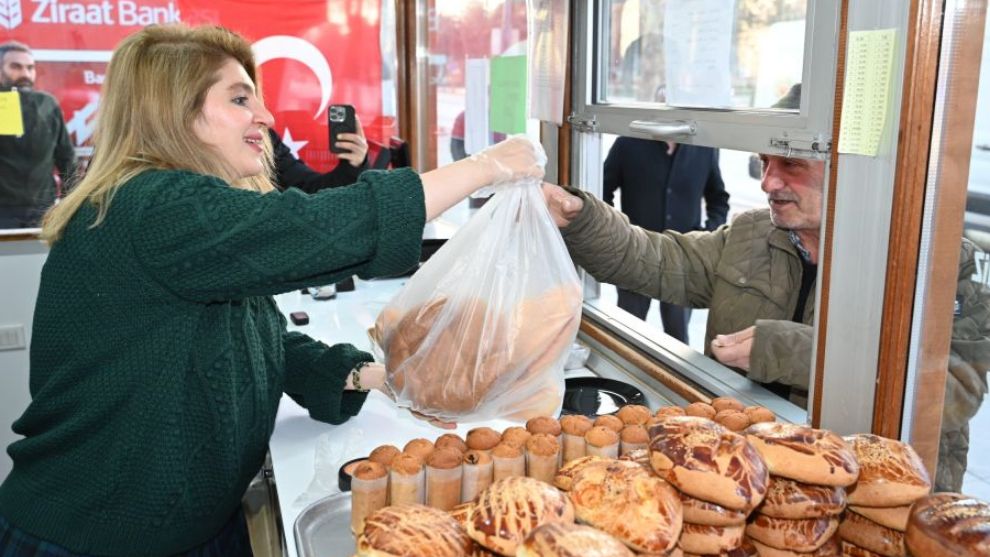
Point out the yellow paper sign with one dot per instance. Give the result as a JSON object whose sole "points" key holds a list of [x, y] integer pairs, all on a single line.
{"points": [[11, 121], [869, 69]]}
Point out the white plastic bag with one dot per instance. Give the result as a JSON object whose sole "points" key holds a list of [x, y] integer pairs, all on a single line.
{"points": [[481, 331]]}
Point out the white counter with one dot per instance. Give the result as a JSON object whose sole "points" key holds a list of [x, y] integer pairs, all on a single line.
{"points": [[300, 444]]}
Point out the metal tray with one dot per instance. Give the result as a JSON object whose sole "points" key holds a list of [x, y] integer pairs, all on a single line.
{"points": [[323, 529]]}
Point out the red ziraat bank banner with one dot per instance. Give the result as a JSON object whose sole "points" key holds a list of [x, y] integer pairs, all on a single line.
{"points": [[312, 53]]}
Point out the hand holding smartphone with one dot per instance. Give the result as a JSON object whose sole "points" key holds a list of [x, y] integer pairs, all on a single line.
{"points": [[341, 119]]}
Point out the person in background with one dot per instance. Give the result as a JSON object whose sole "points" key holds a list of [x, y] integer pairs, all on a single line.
{"points": [[969, 360], [158, 355], [756, 275], [662, 185], [291, 172], [28, 162]]}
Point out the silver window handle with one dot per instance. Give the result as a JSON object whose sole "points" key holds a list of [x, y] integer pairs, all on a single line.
{"points": [[661, 130]]}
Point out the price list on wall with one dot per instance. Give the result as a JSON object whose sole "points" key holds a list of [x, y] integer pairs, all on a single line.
{"points": [[869, 68]]}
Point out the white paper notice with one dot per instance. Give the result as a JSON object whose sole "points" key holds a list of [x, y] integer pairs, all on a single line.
{"points": [[476, 106], [697, 43], [548, 41]]}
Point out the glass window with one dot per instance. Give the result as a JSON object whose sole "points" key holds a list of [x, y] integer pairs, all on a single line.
{"points": [[713, 53], [463, 31], [709, 72], [963, 463]]}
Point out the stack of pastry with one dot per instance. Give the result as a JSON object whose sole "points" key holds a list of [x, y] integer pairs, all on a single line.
{"points": [[719, 475], [891, 478], [810, 469]]}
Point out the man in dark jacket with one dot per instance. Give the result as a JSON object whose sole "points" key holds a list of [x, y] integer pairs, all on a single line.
{"points": [[662, 186], [28, 161]]}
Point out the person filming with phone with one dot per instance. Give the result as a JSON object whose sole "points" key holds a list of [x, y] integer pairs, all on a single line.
{"points": [[347, 141]]}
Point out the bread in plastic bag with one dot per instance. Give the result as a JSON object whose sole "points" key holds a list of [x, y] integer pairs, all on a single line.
{"points": [[483, 328]]}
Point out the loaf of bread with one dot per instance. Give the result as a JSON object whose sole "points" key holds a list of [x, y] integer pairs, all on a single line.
{"points": [[803, 536], [701, 512], [710, 540], [565, 476], [509, 509], [891, 517], [412, 530], [795, 500], [624, 500], [805, 454], [949, 525], [747, 549], [863, 532], [571, 540], [891, 474], [709, 462], [831, 548], [853, 550], [446, 359]]}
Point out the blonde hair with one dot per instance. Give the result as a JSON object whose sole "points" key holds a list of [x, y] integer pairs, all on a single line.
{"points": [[154, 90]]}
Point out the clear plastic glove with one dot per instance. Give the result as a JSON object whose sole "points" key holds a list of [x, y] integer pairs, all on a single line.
{"points": [[512, 160]]}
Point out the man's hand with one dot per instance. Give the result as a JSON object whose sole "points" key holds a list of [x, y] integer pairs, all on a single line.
{"points": [[355, 144], [563, 206], [733, 350]]}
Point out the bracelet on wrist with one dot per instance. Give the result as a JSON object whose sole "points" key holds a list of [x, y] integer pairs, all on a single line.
{"points": [[356, 376]]}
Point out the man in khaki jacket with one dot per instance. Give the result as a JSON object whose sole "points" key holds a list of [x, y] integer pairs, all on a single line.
{"points": [[756, 275]]}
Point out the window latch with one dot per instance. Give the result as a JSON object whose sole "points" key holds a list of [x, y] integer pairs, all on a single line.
{"points": [[817, 147], [582, 123]]}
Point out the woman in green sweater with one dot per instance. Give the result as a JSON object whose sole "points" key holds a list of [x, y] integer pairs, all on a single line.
{"points": [[158, 356]]}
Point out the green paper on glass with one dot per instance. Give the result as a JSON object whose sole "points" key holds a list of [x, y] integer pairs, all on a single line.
{"points": [[11, 120], [507, 109]]}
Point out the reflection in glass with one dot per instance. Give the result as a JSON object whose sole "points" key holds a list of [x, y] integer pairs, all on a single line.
{"points": [[704, 53], [964, 447]]}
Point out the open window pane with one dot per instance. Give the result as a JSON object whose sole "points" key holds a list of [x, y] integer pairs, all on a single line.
{"points": [[707, 53]]}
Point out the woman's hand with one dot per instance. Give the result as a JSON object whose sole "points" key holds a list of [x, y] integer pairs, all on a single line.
{"points": [[371, 376], [564, 207], [516, 158], [355, 145]]}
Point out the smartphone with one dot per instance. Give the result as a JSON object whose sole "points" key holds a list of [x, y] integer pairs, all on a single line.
{"points": [[341, 119]]}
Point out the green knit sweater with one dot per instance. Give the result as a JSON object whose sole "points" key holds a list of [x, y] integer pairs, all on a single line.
{"points": [[158, 357]]}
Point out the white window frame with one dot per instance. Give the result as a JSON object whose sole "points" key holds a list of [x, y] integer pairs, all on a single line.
{"points": [[806, 133]]}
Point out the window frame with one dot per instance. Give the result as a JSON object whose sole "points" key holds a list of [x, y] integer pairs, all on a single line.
{"points": [[807, 133]]}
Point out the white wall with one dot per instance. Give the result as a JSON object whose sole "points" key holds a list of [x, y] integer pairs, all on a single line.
{"points": [[20, 271]]}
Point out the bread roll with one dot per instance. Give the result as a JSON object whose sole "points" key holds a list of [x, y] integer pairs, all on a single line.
{"points": [[727, 403], [668, 411], [863, 532], [891, 474], [384, 454], [803, 536], [795, 500], [701, 410], [451, 441], [515, 435], [747, 549], [710, 540], [891, 517], [758, 414], [805, 454], [419, 447], [734, 420], [709, 462], [624, 500], [571, 540], [412, 530], [634, 414], [949, 525], [510, 509], [610, 421]]}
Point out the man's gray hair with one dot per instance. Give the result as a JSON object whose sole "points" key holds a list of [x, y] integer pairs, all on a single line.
{"points": [[13, 46]]}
